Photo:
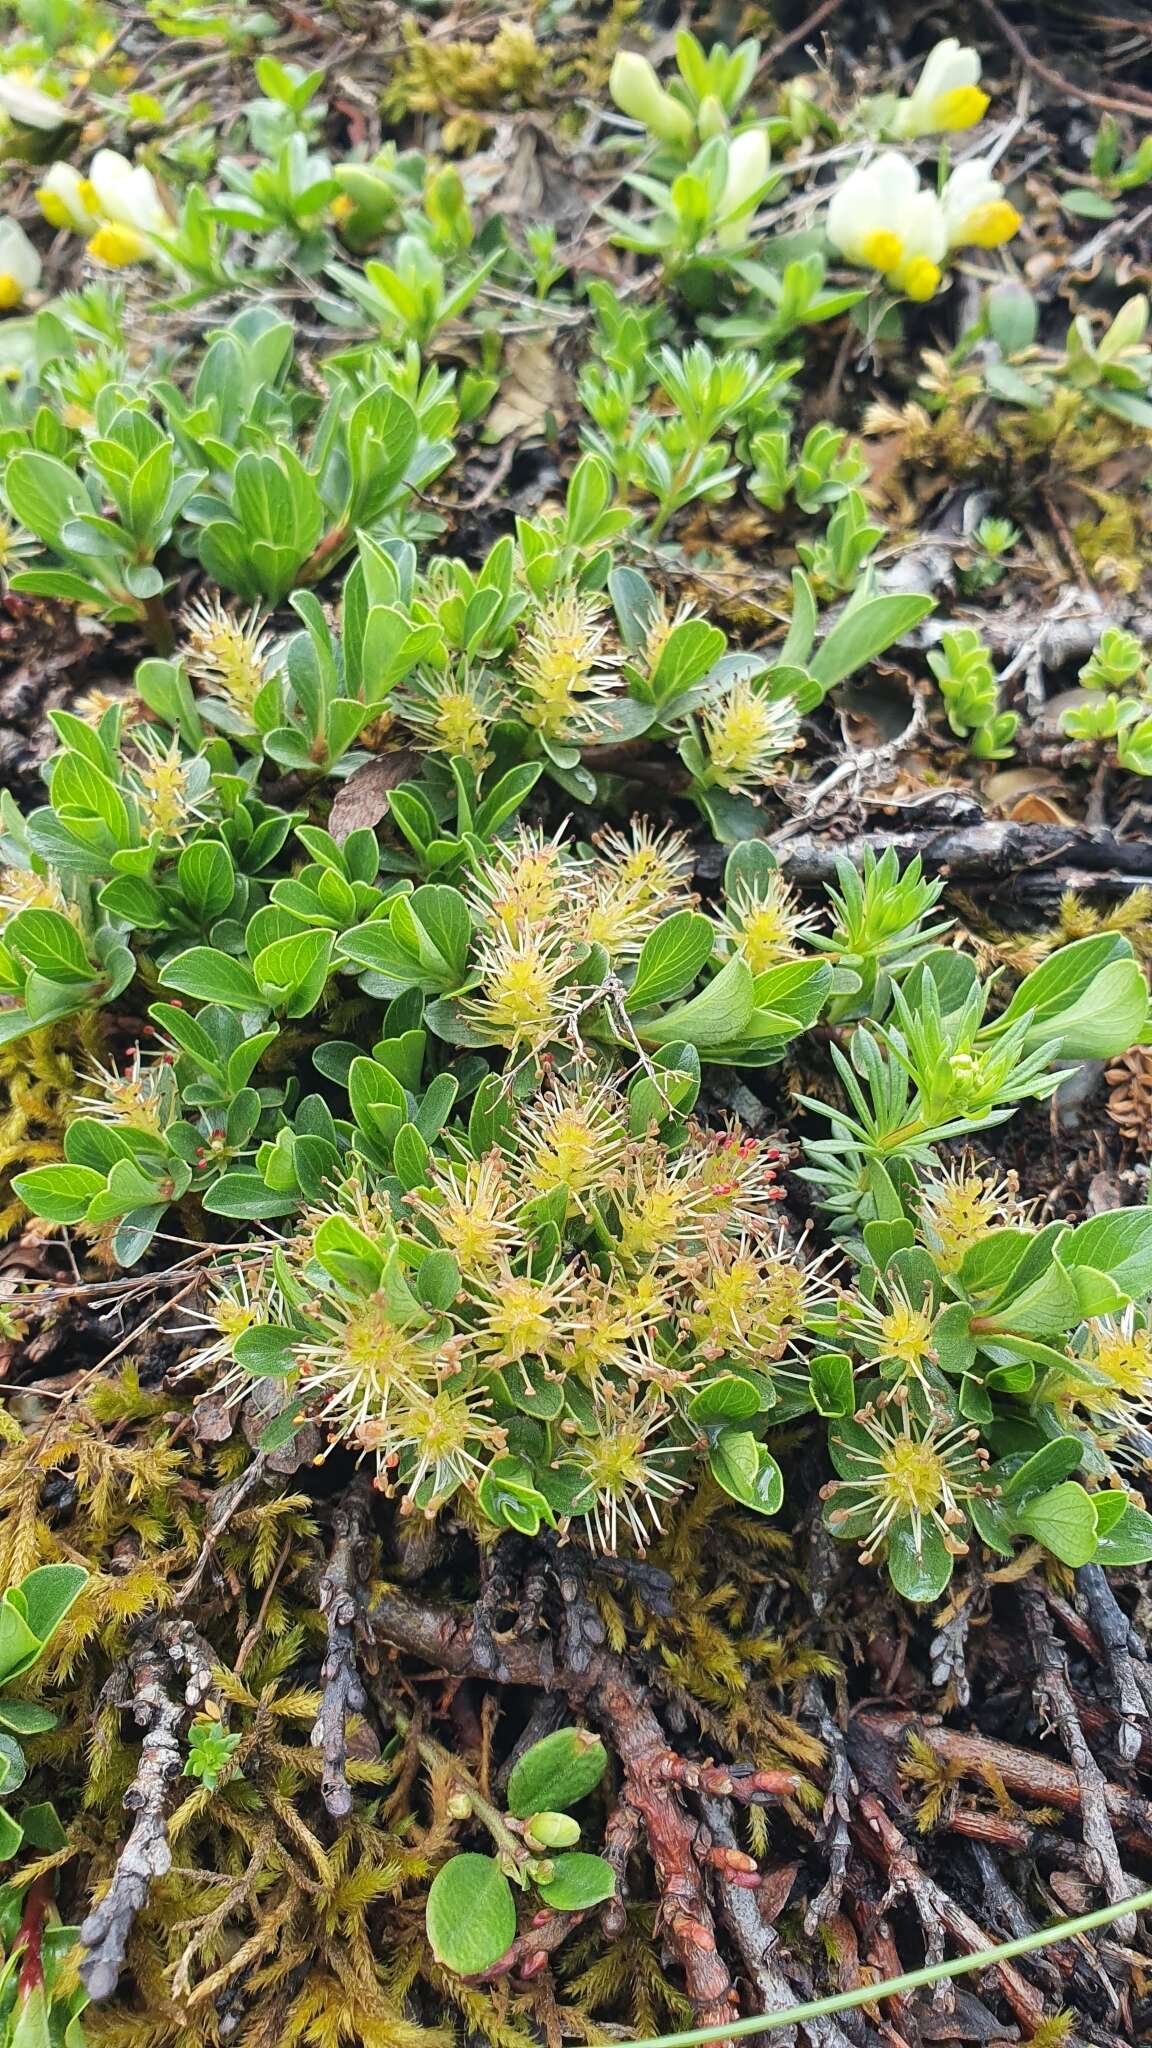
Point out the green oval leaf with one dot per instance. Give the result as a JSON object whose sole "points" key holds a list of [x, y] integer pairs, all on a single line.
{"points": [[470, 1915], [578, 1881], [556, 1772]]}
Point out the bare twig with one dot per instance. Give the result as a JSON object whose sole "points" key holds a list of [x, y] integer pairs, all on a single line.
{"points": [[226, 1503], [169, 1651], [342, 1605], [1140, 104], [756, 1941], [807, 27], [842, 1790], [1102, 1857], [1026, 1773], [937, 1910], [1126, 1657], [997, 852]]}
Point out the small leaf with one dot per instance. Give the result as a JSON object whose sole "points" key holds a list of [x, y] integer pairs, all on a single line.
{"points": [[48, 1593], [671, 958], [470, 1915], [1064, 1521], [1087, 204], [863, 631], [61, 1194], [747, 1471], [556, 1772], [727, 1398], [213, 978], [267, 1352], [25, 1717], [918, 1574], [50, 943], [1128, 1541], [578, 1880]]}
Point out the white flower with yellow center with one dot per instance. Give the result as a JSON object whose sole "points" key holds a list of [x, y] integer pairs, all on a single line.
{"points": [[62, 202], [975, 209], [19, 264], [131, 212], [881, 218], [946, 95]]}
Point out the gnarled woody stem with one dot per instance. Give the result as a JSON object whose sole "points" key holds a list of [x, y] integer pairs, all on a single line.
{"points": [[602, 1685], [170, 1655]]}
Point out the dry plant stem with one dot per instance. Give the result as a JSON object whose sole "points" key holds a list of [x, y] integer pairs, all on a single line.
{"points": [[237, 1894], [842, 1790], [1140, 104], [601, 1683], [996, 852], [755, 1941], [1027, 1774], [226, 1503], [1126, 1657], [1016, 1837], [171, 1653], [1011, 1914], [686, 1916], [342, 1605], [1102, 1857], [807, 27], [938, 1912]]}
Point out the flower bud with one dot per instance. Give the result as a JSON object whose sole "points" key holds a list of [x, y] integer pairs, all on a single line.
{"points": [[748, 157], [798, 103], [710, 118], [638, 93], [551, 1831], [459, 1806]]}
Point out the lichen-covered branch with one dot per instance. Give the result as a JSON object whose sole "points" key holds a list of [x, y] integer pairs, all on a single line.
{"points": [[342, 1605], [171, 1652], [1101, 1855]]}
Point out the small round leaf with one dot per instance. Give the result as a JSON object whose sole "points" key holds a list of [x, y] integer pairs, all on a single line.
{"points": [[471, 1914]]}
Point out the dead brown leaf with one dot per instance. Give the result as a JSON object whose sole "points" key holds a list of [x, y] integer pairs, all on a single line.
{"points": [[534, 393], [363, 799]]}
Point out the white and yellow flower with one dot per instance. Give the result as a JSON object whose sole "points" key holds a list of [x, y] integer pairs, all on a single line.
{"points": [[975, 209], [62, 202], [946, 94], [124, 197], [19, 264], [881, 218]]}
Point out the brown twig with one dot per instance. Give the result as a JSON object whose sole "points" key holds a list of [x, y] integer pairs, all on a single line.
{"points": [[1026, 1773], [1140, 104], [756, 1941], [807, 27], [601, 1684], [226, 1503], [938, 1911]]}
